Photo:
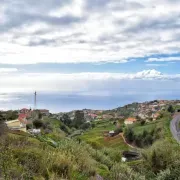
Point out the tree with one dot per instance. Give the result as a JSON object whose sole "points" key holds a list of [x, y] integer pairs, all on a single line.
{"points": [[118, 130], [170, 109], [85, 126], [37, 124], [2, 118], [143, 122], [39, 115], [93, 125], [11, 115], [3, 127], [78, 119], [64, 128], [66, 119], [129, 134]]}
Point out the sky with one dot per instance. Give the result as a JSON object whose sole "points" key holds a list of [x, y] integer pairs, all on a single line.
{"points": [[97, 54]]}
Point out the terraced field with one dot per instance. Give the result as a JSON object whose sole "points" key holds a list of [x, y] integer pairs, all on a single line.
{"points": [[96, 138]]}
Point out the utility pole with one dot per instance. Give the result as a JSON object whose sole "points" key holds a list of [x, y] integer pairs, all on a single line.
{"points": [[35, 96]]}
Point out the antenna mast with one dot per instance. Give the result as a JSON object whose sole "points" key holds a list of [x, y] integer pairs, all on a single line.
{"points": [[35, 95]]}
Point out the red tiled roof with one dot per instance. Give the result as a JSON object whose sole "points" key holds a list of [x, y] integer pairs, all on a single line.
{"points": [[22, 116], [92, 115]]}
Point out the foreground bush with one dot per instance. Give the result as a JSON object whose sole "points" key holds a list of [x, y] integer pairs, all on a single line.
{"points": [[162, 160], [27, 158]]}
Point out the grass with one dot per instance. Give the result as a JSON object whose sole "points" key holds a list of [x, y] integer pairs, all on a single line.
{"points": [[149, 126], [163, 123], [95, 136], [54, 122], [38, 159], [35, 158]]}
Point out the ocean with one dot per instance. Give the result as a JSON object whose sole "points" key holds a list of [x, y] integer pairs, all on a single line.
{"points": [[57, 102]]}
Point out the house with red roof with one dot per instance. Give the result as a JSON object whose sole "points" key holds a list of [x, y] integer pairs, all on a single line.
{"points": [[21, 122], [18, 124], [24, 111], [93, 116], [22, 119], [155, 116]]}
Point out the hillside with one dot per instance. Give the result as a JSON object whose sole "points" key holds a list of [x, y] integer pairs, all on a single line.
{"points": [[65, 151], [144, 110]]}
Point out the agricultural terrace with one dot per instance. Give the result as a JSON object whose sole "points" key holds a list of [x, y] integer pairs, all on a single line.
{"points": [[96, 137]]}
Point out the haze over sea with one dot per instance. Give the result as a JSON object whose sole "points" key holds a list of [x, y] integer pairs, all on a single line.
{"points": [[56, 102]]}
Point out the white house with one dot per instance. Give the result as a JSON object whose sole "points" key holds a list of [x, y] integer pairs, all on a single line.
{"points": [[130, 120], [35, 131]]}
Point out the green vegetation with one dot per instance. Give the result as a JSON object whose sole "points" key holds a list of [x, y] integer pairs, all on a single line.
{"points": [[78, 119], [170, 109], [37, 124], [96, 137], [9, 115], [146, 134], [83, 151], [66, 120], [125, 111]]}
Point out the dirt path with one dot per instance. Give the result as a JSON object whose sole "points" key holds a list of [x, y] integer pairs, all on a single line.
{"points": [[122, 135]]}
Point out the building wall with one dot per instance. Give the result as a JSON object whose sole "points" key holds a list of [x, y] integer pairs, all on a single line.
{"points": [[14, 123]]}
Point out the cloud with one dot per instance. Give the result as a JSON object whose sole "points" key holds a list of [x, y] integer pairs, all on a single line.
{"points": [[77, 82], [163, 59], [60, 91], [7, 98], [7, 70], [156, 65], [66, 31]]}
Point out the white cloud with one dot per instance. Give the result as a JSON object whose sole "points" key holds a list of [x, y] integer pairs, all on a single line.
{"points": [[165, 59], [87, 31], [7, 98], [74, 82], [7, 70], [156, 65]]}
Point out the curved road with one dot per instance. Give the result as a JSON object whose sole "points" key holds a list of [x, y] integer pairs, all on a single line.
{"points": [[175, 128]]}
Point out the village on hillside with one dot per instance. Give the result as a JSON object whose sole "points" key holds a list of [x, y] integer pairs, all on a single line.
{"points": [[145, 111], [25, 117], [129, 114]]}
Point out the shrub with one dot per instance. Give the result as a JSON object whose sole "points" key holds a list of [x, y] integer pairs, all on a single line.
{"points": [[37, 124], [64, 128], [29, 126], [129, 134], [31, 160], [118, 130], [143, 122], [161, 156], [85, 126], [62, 167], [122, 171], [170, 109]]}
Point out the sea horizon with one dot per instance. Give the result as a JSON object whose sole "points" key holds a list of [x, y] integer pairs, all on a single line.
{"points": [[57, 102]]}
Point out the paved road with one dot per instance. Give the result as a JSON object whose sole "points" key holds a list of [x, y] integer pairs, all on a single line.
{"points": [[174, 127]]}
